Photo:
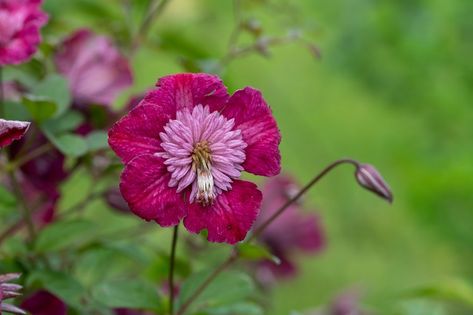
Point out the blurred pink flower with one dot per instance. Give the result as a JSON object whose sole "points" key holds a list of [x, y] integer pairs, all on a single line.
{"points": [[20, 22], [11, 130], [290, 232], [12, 90], [347, 304], [44, 303], [184, 148], [96, 70]]}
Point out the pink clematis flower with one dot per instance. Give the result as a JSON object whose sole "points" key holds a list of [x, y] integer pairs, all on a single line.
{"points": [[291, 232], [44, 303], [11, 130], [96, 70], [185, 146], [20, 21]]}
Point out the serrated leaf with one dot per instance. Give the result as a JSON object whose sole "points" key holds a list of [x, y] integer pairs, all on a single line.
{"points": [[127, 293], [229, 287], [61, 284], [55, 88], [256, 252], [97, 140], [64, 234]]}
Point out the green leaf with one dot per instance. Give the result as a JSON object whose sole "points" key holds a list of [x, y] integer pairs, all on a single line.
{"points": [[70, 144], [237, 309], [69, 121], [16, 111], [229, 287], [55, 88], [41, 108], [256, 252], [127, 293], [454, 290], [61, 284], [97, 140], [64, 234], [7, 199]]}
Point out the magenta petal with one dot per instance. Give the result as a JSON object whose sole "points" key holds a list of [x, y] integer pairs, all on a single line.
{"points": [[137, 133], [259, 130], [187, 90], [144, 185], [230, 217], [11, 130]]}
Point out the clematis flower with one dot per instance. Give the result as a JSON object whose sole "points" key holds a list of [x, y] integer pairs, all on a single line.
{"points": [[11, 130], [44, 303], [185, 146], [293, 231], [94, 67], [20, 22], [8, 291]]}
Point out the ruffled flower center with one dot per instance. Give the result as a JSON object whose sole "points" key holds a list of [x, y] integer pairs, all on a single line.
{"points": [[204, 151]]}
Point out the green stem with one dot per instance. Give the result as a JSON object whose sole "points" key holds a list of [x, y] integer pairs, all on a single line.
{"points": [[155, 9], [172, 263], [234, 255], [224, 265], [306, 188], [26, 158], [24, 207]]}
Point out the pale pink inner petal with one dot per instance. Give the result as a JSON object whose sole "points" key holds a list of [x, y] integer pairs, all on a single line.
{"points": [[203, 151]]}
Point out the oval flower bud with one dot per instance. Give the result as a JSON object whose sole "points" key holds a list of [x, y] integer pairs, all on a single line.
{"points": [[368, 177]]}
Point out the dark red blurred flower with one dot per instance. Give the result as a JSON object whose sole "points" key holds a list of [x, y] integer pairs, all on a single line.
{"points": [[185, 147], [44, 303], [20, 22], [115, 200], [40, 177], [292, 231], [11, 130], [127, 311], [96, 70]]}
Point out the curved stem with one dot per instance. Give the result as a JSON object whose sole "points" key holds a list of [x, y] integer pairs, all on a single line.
{"points": [[171, 269], [32, 155], [234, 255], [154, 10], [319, 176], [224, 265]]}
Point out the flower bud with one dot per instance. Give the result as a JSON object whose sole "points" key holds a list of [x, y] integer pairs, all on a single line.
{"points": [[368, 177]]}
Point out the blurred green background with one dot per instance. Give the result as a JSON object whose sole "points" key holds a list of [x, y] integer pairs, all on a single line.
{"points": [[393, 88]]}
